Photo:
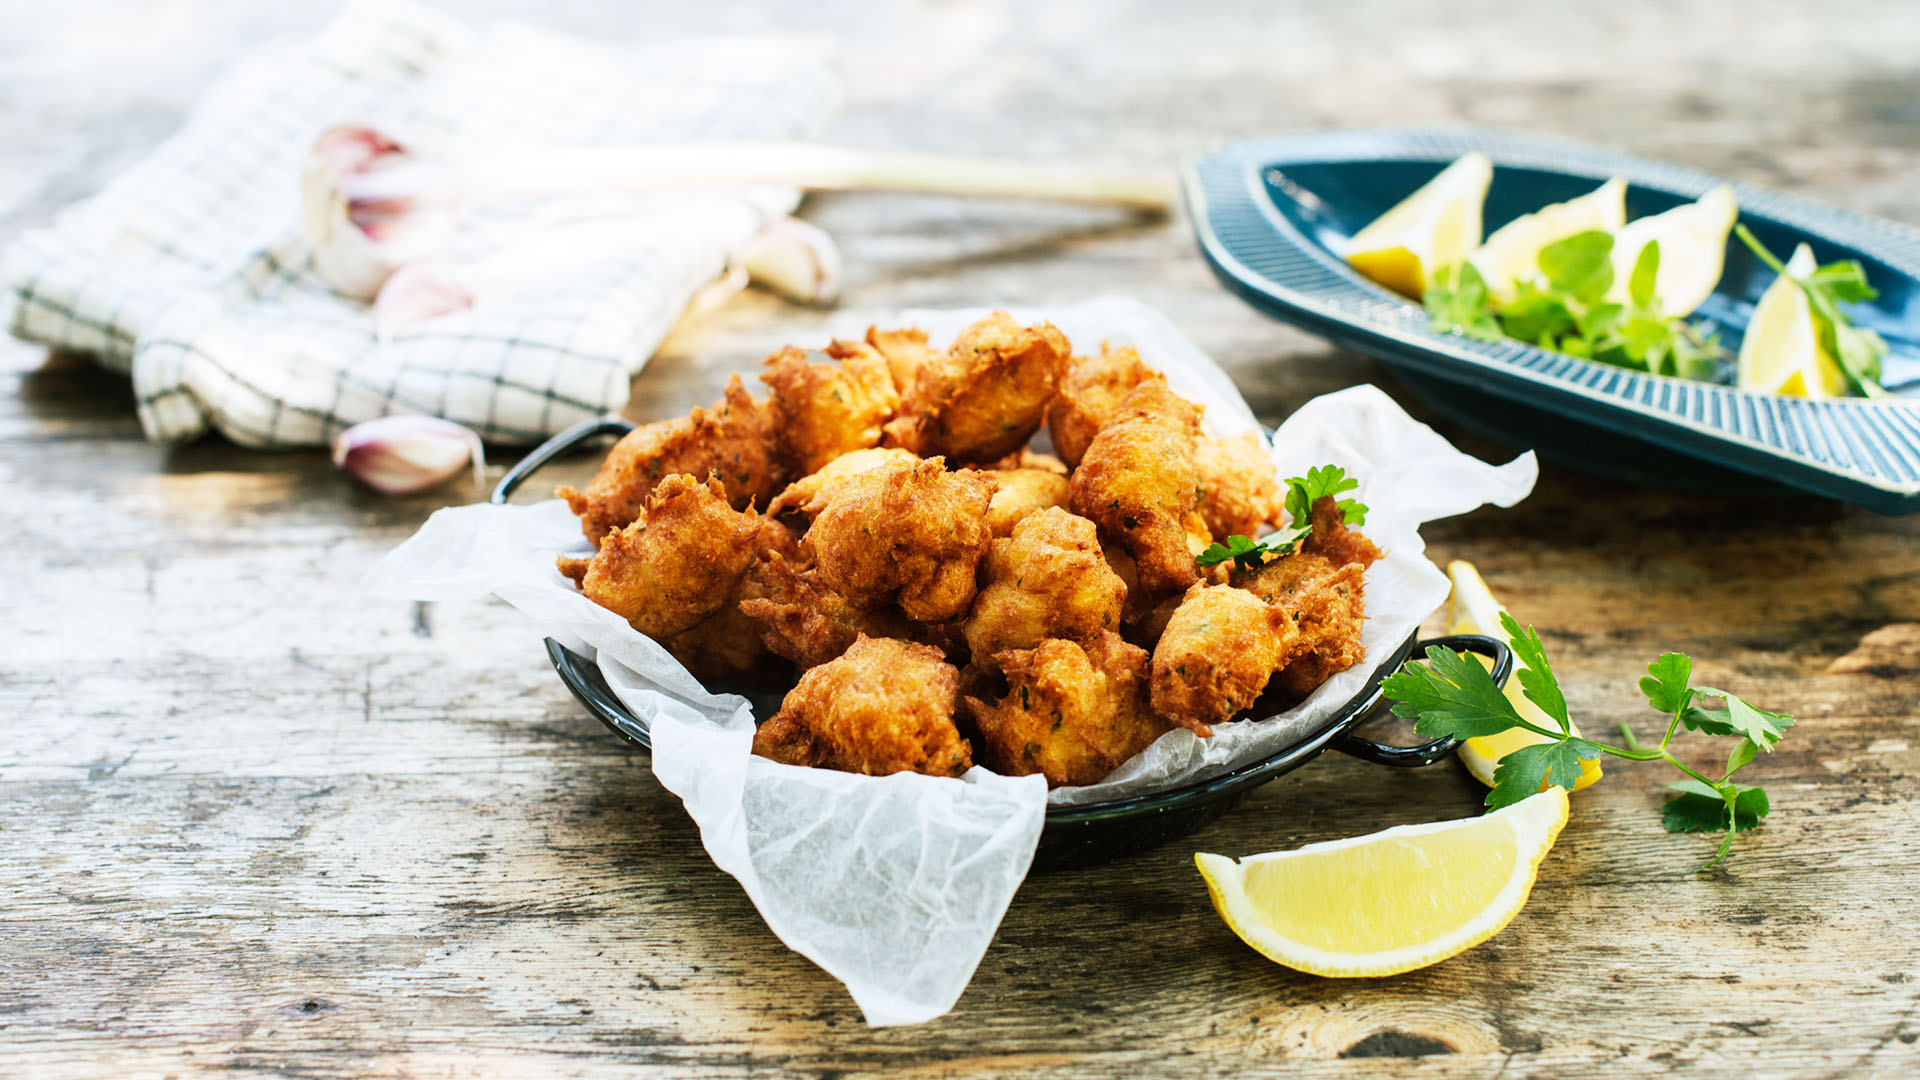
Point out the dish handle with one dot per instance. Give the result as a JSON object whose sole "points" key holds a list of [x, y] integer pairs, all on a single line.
{"points": [[553, 448], [1427, 753]]}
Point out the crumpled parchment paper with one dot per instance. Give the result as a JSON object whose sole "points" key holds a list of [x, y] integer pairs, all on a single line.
{"points": [[894, 885]]}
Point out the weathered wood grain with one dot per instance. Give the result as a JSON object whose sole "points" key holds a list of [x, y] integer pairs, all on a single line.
{"points": [[257, 823]]}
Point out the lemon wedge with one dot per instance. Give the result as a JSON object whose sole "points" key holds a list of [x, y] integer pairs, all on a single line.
{"points": [[1781, 352], [1396, 900], [1512, 254], [1475, 611], [1433, 227], [1693, 251]]}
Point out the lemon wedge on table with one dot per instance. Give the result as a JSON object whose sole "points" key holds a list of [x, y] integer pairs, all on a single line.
{"points": [[1475, 611], [1397, 900], [1781, 352], [1693, 251], [1433, 227], [1512, 254]]}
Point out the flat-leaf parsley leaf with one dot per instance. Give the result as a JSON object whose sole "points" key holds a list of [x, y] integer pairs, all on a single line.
{"points": [[1450, 694]]}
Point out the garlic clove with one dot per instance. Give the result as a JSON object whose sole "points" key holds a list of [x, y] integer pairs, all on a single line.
{"points": [[400, 455], [795, 259], [359, 241], [420, 291]]}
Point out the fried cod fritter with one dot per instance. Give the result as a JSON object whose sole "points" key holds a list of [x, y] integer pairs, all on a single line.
{"points": [[906, 352], [882, 707], [732, 441], [1047, 580], [821, 411], [985, 396], [1090, 390], [1217, 653], [1138, 483], [1239, 490], [911, 534], [811, 493], [803, 620], [679, 573], [678, 562], [1322, 586], [1071, 713], [1021, 493]]}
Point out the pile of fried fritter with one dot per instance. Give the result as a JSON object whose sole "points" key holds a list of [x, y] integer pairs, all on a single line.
{"points": [[948, 594]]}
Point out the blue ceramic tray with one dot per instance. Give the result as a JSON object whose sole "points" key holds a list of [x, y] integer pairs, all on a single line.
{"points": [[1271, 214]]}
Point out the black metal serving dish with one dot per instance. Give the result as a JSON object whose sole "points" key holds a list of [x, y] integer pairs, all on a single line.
{"points": [[1096, 832]]}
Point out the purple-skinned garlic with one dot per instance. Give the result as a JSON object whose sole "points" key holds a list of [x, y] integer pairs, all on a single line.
{"points": [[420, 291], [795, 259], [358, 243], [400, 455]]}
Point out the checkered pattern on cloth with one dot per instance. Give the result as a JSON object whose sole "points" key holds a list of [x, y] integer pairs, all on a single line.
{"points": [[188, 271]]}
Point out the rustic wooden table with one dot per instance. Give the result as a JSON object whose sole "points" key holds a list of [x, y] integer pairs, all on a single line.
{"points": [[256, 822]]}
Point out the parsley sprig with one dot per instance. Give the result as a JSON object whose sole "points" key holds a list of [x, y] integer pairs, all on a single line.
{"points": [[1452, 694], [1302, 493], [1569, 311], [1856, 350]]}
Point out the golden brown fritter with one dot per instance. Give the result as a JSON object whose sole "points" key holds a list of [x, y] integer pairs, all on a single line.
{"points": [[679, 562], [882, 707], [1240, 491], [821, 411], [906, 352], [1322, 586], [911, 534], [1333, 538], [1090, 390], [1217, 653], [1023, 492], [1137, 482], [986, 395], [1047, 580], [728, 642], [1145, 616], [806, 622], [732, 441], [811, 493], [1072, 714]]}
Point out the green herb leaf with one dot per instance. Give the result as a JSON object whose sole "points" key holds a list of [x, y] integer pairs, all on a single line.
{"points": [[1573, 264], [1646, 270], [1320, 481], [1694, 813], [1535, 673], [1457, 302], [1241, 549], [1528, 770], [1666, 681], [1740, 718], [1845, 280], [1741, 756], [1705, 807], [1450, 694]]}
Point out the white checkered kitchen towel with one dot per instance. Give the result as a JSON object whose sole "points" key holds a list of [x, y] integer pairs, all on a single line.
{"points": [[188, 271]]}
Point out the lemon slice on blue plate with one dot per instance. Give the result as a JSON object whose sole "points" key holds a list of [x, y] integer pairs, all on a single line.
{"points": [[1435, 226]]}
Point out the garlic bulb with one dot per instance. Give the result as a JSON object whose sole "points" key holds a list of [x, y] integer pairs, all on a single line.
{"points": [[399, 455], [358, 242], [796, 259], [420, 291]]}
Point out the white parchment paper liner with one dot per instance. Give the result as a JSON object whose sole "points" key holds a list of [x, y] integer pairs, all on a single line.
{"points": [[894, 885]]}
